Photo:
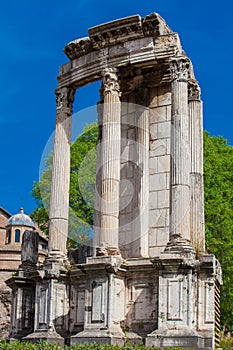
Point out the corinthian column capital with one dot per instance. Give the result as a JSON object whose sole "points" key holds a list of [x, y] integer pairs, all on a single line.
{"points": [[179, 68], [194, 91], [65, 98], [110, 81]]}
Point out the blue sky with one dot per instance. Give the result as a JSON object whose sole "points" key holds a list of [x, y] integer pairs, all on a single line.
{"points": [[32, 37]]}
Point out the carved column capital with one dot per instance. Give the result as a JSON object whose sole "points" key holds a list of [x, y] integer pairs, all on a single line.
{"points": [[65, 98], [110, 81], [194, 91], [179, 68]]}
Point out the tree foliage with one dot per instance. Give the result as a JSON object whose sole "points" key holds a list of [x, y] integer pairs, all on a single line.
{"points": [[218, 181]]}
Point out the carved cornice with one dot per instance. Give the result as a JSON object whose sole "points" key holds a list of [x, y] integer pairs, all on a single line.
{"points": [[110, 81], [194, 91], [118, 31], [78, 48], [179, 68], [150, 25], [154, 25], [111, 33], [65, 98], [171, 262]]}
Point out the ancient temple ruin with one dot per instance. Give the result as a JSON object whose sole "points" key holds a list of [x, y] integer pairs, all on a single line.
{"points": [[149, 277]]}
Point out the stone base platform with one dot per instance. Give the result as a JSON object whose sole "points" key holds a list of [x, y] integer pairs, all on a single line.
{"points": [[181, 338], [50, 335], [102, 337]]}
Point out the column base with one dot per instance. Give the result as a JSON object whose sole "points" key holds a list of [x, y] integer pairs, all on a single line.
{"points": [[182, 338], [50, 335], [179, 245], [133, 338], [102, 337], [56, 264], [56, 256]]}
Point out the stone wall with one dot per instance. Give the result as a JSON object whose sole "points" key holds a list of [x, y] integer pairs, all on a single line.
{"points": [[5, 305], [159, 167], [3, 221]]}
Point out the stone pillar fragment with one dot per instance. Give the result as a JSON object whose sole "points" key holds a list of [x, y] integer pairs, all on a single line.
{"points": [[59, 198], [29, 254], [110, 157], [196, 176], [180, 157]]}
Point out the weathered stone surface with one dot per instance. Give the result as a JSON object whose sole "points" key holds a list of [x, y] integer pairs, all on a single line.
{"points": [[5, 307], [30, 245]]}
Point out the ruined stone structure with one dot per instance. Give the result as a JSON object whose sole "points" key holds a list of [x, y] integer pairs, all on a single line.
{"points": [[149, 278], [12, 228]]}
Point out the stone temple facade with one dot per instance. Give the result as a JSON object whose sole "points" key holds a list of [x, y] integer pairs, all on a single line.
{"points": [[149, 277]]}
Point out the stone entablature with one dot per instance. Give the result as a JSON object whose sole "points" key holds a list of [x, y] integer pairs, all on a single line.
{"points": [[118, 32], [132, 40]]}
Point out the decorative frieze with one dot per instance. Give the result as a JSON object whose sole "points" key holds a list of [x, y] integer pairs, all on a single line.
{"points": [[116, 31], [119, 31]]}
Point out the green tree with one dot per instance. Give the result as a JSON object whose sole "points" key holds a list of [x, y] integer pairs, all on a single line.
{"points": [[82, 182], [218, 181]]}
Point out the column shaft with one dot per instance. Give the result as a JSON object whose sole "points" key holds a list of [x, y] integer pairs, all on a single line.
{"points": [[180, 153], [110, 157], [141, 223], [97, 213], [196, 177], [59, 198]]}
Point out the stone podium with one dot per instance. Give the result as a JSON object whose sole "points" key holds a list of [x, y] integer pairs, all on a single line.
{"points": [[149, 278]]}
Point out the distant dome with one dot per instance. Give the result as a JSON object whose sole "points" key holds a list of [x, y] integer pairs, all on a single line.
{"points": [[20, 219]]}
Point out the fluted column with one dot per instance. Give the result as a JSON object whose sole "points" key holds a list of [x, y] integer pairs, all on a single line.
{"points": [[196, 175], [110, 157], [97, 216], [59, 198], [180, 157], [140, 245]]}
